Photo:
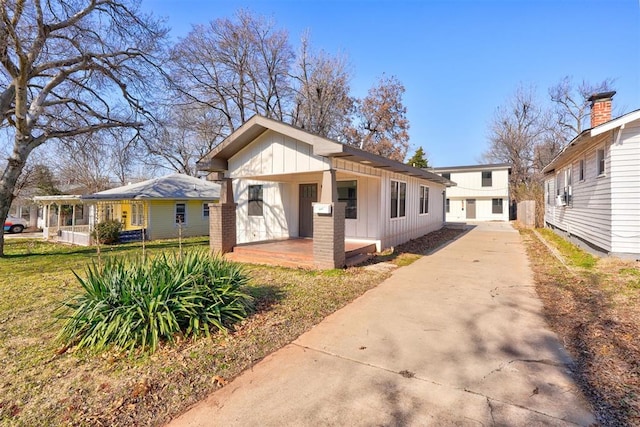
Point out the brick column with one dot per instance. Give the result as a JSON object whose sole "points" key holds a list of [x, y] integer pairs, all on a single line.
{"points": [[222, 220], [328, 228]]}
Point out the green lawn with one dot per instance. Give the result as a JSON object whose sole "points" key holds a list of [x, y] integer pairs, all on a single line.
{"points": [[44, 383]]}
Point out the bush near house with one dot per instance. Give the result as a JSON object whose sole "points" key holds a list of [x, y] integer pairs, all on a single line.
{"points": [[107, 232], [131, 303]]}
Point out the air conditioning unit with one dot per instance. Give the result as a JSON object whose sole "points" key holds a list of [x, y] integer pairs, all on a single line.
{"points": [[560, 201]]}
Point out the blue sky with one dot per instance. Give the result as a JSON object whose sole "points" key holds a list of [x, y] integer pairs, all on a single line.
{"points": [[459, 60]]}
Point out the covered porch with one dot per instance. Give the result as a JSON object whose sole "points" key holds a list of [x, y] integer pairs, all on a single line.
{"points": [[296, 252], [65, 219]]}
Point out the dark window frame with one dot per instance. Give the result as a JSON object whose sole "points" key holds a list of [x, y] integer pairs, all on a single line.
{"points": [[497, 206], [351, 198], [256, 200], [487, 178]]}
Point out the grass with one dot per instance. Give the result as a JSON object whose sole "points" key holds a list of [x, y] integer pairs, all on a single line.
{"points": [[594, 307], [576, 256], [45, 383]]}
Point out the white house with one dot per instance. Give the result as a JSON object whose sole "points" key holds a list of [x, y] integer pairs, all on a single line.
{"points": [[481, 192], [281, 182], [592, 188]]}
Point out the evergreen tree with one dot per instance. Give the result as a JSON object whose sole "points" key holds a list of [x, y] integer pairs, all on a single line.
{"points": [[418, 160]]}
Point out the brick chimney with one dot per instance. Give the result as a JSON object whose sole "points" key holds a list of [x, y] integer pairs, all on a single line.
{"points": [[601, 107]]}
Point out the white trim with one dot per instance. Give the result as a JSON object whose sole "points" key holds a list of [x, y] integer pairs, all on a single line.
{"points": [[175, 213], [620, 121]]}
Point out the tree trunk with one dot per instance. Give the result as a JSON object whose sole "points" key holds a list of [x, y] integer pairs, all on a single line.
{"points": [[15, 164]]}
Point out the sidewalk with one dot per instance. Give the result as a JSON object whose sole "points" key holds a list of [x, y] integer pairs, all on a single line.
{"points": [[456, 338]]}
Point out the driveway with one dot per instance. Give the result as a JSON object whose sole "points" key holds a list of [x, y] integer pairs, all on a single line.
{"points": [[456, 338]]}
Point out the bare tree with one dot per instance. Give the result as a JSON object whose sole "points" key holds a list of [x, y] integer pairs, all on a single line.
{"points": [[515, 132], [185, 136], [381, 124], [69, 68], [571, 105], [322, 103], [235, 68]]}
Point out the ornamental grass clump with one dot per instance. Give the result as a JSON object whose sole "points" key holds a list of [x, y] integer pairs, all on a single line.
{"points": [[131, 303]]}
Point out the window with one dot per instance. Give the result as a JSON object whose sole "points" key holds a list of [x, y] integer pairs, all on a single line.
{"points": [[487, 180], [108, 212], [398, 198], [348, 193], [600, 161], [181, 213], [205, 209], [567, 185], [581, 169], [446, 175], [137, 214], [255, 200], [549, 195], [496, 206], [447, 205], [424, 199]]}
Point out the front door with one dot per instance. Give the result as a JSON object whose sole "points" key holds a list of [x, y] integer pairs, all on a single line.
{"points": [[308, 195], [471, 208]]}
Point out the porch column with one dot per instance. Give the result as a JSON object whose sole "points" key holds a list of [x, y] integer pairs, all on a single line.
{"points": [[59, 210], [222, 220], [328, 225]]}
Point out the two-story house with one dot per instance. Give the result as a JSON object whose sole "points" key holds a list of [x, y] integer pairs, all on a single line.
{"points": [[481, 194]]}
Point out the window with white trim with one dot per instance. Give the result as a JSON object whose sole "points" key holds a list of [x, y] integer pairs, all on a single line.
{"points": [[181, 213], [581, 169], [600, 165], [424, 199], [398, 199], [447, 205], [137, 214], [205, 209]]}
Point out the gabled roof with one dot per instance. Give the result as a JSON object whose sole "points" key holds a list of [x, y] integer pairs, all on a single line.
{"points": [[176, 186], [585, 136], [216, 159], [492, 166]]}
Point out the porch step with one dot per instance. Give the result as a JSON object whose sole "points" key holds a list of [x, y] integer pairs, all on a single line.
{"points": [[369, 249], [256, 256], [357, 259]]}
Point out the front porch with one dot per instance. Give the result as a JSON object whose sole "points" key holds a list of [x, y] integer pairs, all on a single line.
{"points": [[296, 253]]}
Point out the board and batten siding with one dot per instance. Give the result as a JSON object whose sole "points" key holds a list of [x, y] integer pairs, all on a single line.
{"points": [[394, 231], [275, 154], [588, 215], [625, 190], [162, 219], [484, 209], [279, 219]]}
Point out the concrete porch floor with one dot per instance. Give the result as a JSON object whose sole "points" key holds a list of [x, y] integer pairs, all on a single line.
{"points": [[295, 253]]}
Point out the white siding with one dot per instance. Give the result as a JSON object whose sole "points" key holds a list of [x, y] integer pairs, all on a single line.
{"points": [[394, 231], [625, 191], [588, 215], [275, 154], [469, 186], [280, 211]]}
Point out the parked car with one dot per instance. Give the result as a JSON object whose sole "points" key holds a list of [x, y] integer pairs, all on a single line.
{"points": [[13, 224]]}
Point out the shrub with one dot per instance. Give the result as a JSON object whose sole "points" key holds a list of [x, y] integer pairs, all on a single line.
{"points": [[129, 303], [107, 231]]}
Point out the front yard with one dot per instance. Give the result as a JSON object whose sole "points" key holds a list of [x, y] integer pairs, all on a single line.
{"points": [[593, 304], [44, 383]]}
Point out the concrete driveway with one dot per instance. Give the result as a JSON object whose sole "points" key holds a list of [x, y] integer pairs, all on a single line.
{"points": [[457, 338]]}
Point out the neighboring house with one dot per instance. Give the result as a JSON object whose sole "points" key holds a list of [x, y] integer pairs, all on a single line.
{"points": [[161, 208], [592, 188], [481, 192], [281, 182]]}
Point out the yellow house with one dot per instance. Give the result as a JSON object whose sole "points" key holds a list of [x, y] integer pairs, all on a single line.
{"points": [[162, 208]]}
